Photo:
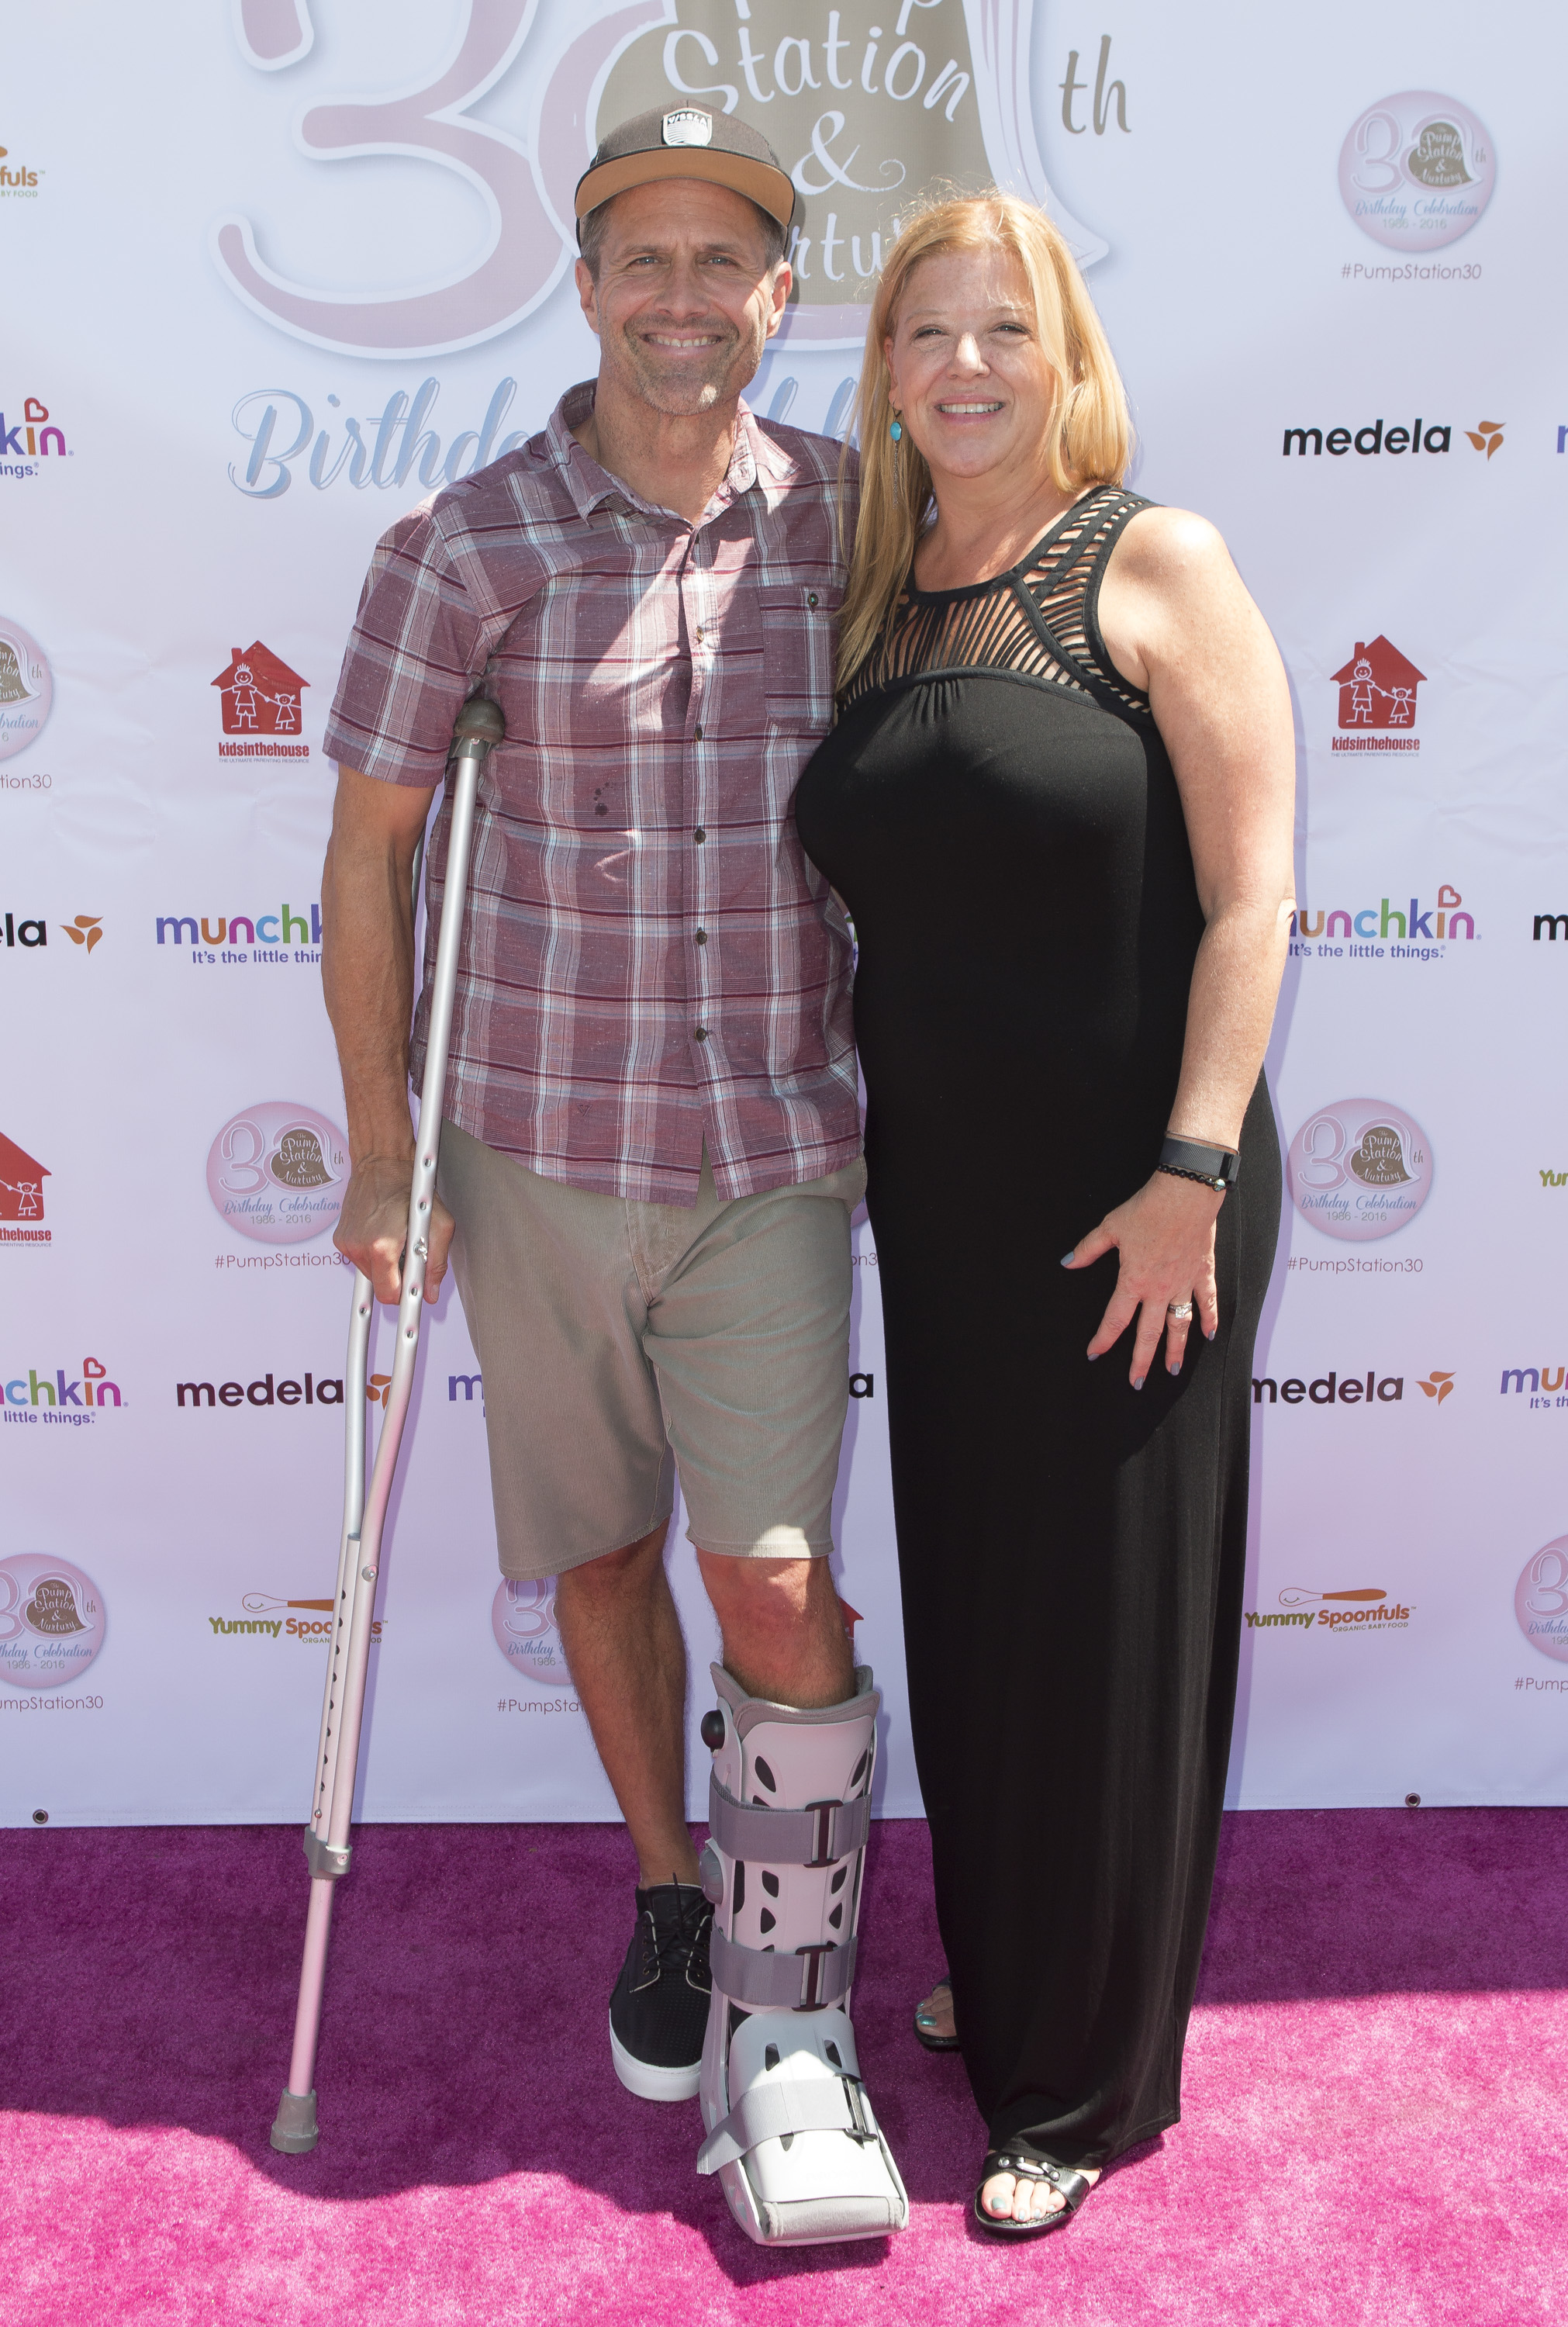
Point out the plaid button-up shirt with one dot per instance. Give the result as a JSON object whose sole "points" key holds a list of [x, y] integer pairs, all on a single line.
{"points": [[649, 957]]}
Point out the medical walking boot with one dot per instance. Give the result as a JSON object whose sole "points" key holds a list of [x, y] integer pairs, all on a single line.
{"points": [[791, 2130]]}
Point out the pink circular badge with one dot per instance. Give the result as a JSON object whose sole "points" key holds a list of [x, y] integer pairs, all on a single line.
{"points": [[1359, 1169], [1541, 1600], [1416, 170], [277, 1172], [523, 1618], [26, 688], [52, 1620]]}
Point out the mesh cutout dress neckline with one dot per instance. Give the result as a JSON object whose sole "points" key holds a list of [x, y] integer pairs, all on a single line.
{"points": [[1035, 621]]}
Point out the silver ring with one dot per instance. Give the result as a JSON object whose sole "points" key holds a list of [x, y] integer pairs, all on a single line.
{"points": [[1178, 1308]]}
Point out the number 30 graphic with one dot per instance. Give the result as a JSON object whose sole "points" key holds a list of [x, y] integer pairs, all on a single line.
{"points": [[529, 204]]}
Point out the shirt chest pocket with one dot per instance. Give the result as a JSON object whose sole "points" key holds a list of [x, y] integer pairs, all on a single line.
{"points": [[799, 637]]}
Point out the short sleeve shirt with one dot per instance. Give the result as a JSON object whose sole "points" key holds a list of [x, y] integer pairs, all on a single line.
{"points": [[649, 958]]}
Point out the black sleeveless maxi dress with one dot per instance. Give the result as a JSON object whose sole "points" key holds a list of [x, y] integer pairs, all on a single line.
{"points": [[998, 811]]}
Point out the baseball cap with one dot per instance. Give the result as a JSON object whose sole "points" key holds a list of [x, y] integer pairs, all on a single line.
{"points": [[689, 143]]}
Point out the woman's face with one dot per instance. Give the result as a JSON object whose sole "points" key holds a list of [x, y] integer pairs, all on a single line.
{"points": [[970, 378]]}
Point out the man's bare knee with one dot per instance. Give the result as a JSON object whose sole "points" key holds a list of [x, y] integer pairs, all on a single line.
{"points": [[614, 1573]]}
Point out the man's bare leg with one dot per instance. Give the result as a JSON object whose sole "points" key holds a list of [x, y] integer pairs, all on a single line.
{"points": [[627, 1656], [782, 1627]]}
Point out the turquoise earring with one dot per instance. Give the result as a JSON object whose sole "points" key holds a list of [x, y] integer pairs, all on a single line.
{"points": [[896, 429]]}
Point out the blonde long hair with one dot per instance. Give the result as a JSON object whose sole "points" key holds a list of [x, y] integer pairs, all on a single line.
{"points": [[1088, 432]]}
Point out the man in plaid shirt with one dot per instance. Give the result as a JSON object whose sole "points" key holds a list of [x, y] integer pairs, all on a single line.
{"points": [[651, 1149]]}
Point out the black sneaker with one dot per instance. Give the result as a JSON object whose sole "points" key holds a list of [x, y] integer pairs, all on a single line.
{"points": [[658, 2013]]}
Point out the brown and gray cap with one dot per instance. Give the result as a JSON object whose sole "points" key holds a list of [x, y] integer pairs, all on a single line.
{"points": [[689, 143]]}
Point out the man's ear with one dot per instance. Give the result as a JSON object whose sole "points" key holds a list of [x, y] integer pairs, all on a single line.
{"points": [[782, 281], [588, 292]]}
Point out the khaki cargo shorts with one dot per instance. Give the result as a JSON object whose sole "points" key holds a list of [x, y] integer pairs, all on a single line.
{"points": [[624, 1344]]}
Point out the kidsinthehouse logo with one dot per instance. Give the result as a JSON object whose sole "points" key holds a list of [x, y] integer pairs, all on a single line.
{"points": [[52, 1395], [246, 940], [28, 438], [1377, 691], [261, 705], [1539, 1387], [1370, 439], [1360, 1612], [1406, 930], [21, 1179]]}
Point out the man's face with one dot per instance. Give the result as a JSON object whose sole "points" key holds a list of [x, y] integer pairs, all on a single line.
{"points": [[686, 301]]}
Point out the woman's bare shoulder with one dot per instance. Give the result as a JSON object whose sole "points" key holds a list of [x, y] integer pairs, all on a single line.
{"points": [[1159, 545]]}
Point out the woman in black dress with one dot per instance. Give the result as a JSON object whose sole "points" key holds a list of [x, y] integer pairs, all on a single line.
{"points": [[1058, 803]]}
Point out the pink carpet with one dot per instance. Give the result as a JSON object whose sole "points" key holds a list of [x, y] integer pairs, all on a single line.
{"points": [[1377, 2103]]}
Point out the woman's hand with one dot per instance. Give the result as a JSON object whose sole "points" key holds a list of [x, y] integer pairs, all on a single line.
{"points": [[1164, 1236]]}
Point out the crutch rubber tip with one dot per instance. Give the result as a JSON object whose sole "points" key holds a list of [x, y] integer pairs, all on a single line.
{"points": [[295, 2127]]}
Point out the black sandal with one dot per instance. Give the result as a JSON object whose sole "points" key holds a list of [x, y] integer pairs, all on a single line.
{"points": [[923, 2036], [1026, 2164]]}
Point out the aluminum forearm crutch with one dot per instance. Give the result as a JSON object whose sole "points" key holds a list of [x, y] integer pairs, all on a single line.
{"points": [[480, 727]]}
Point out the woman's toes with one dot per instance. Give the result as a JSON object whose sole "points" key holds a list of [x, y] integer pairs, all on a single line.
{"points": [[935, 2014], [997, 2196]]}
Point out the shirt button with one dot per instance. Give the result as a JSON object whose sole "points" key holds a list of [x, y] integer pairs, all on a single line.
{"points": [[702, 1034], [810, 599], [702, 937], [699, 733], [699, 836]]}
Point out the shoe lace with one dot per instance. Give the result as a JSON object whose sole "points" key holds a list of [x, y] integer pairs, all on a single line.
{"points": [[679, 1945]]}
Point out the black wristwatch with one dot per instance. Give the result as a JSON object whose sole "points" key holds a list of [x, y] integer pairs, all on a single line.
{"points": [[1188, 1159]]}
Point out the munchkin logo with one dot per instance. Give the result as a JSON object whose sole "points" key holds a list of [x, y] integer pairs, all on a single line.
{"points": [[29, 438], [1367, 931], [1542, 1385], [383, 449], [279, 937], [33, 1396]]}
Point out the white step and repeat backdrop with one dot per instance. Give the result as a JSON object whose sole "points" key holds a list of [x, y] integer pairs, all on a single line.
{"points": [[275, 270]]}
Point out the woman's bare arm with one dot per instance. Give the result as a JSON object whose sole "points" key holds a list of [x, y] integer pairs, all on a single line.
{"points": [[1177, 621]]}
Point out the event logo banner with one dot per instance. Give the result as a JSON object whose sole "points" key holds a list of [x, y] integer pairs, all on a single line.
{"points": [[862, 116]]}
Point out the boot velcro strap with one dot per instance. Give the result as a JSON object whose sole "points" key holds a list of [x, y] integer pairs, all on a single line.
{"points": [[800, 1982], [766, 2112], [815, 1837]]}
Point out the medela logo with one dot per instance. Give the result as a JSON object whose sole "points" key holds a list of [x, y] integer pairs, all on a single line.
{"points": [[35, 1396]]}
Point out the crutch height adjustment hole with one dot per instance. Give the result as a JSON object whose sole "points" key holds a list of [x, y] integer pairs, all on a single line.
{"points": [[41, 1817], [712, 1730]]}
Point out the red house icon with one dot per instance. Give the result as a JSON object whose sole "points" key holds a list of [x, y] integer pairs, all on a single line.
{"points": [[1378, 687], [22, 1180], [261, 695]]}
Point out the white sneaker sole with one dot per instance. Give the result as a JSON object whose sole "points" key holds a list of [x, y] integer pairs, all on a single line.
{"points": [[651, 2084]]}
